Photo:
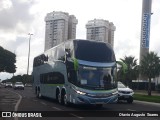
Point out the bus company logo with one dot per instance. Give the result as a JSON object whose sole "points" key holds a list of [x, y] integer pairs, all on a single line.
{"points": [[6, 114], [146, 30]]}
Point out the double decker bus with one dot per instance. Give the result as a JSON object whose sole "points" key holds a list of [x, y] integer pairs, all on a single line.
{"points": [[77, 71]]}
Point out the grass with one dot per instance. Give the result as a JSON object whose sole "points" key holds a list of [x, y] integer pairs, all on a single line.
{"points": [[147, 98]]}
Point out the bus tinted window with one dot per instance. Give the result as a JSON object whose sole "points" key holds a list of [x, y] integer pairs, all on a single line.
{"points": [[52, 78], [61, 53], [93, 51], [40, 60]]}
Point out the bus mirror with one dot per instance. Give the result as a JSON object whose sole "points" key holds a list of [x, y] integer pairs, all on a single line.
{"points": [[68, 52]]}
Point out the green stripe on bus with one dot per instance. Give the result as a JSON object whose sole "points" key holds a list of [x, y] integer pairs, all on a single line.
{"points": [[55, 84], [103, 90]]}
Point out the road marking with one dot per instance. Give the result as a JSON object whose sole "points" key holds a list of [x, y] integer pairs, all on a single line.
{"points": [[17, 104], [56, 108], [8, 96], [9, 99], [131, 110], [76, 116], [7, 103], [43, 103], [35, 100]]}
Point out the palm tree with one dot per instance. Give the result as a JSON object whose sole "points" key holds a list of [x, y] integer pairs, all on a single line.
{"points": [[132, 71], [150, 67], [122, 69]]}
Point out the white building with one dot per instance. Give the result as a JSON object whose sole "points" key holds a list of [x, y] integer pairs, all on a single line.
{"points": [[60, 26], [101, 30], [157, 80], [112, 28]]}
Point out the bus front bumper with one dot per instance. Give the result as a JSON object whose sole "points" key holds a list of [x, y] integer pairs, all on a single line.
{"points": [[84, 99]]}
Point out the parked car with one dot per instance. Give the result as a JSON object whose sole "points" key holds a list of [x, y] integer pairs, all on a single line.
{"points": [[19, 85], [28, 85], [8, 84], [125, 93]]}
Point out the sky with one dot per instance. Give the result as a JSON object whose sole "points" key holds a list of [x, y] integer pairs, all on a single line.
{"points": [[20, 17]]}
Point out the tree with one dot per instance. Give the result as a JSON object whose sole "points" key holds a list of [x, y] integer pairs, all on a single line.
{"points": [[150, 67], [132, 69], [20, 78], [7, 61], [121, 71]]}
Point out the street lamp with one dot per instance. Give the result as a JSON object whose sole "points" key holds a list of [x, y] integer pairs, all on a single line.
{"points": [[29, 51]]}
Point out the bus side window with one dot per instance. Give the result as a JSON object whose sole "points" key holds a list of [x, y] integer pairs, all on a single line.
{"points": [[57, 78], [52, 78], [60, 53], [42, 78]]}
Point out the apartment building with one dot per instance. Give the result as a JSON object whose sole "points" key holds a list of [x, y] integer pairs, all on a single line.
{"points": [[101, 30], [60, 26]]}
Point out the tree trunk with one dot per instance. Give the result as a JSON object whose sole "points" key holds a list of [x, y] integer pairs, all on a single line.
{"points": [[149, 87]]}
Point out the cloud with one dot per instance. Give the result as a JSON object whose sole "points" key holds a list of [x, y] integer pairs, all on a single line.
{"points": [[16, 17], [15, 24], [5, 4]]}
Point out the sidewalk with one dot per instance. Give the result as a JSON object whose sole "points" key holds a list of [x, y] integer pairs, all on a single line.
{"points": [[144, 92]]}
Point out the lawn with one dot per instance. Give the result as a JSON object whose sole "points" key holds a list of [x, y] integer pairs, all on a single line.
{"points": [[147, 98]]}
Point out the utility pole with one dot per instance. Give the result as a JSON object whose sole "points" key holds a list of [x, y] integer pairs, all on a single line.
{"points": [[29, 52]]}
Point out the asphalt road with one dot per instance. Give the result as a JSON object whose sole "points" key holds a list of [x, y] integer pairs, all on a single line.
{"points": [[25, 100]]}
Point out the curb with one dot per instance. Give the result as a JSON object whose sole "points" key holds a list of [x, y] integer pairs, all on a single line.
{"points": [[144, 102]]}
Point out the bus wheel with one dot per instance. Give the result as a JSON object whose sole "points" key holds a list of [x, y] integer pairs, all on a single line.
{"points": [[59, 97], [39, 95], [65, 99], [57, 93]]}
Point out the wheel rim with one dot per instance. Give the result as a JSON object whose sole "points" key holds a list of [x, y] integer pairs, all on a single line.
{"points": [[39, 94], [65, 99], [59, 98]]}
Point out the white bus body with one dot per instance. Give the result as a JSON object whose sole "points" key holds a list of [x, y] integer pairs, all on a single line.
{"points": [[77, 71]]}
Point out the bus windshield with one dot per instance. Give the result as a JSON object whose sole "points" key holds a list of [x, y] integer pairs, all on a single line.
{"points": [[93, 52], [96, 78]]}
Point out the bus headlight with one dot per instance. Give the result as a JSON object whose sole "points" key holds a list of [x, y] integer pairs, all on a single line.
{"points": [[114, 93], [80, 92]]}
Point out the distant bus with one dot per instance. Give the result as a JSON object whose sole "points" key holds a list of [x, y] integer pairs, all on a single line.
{"points": [[78, 72]]}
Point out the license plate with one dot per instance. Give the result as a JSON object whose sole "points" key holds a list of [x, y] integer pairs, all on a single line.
{"points": [[126, 96], [99, 102]]}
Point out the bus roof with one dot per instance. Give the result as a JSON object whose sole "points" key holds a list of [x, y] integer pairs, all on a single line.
{"points": [[77, 41]]}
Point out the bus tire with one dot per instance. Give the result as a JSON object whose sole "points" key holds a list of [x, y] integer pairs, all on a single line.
{"points": [[65, 99], [59, 98], [57, 93], [36, 92], [39, 95]]}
